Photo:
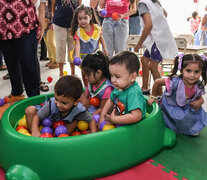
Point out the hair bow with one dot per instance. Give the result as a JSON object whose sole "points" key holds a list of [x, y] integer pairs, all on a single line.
{"points": [[180, 61]]}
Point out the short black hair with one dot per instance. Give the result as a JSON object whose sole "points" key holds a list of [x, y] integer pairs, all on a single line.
{"points": [[69, 86], [129, 59]]}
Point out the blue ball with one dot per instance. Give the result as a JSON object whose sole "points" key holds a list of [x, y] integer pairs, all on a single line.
{"points": [[47, 130], [96, 117], [77, 61], [47, 122], [102, 125], [61, 130], [103, 12], [2, 102]]}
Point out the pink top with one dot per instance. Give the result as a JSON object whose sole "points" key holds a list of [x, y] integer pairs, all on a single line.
{"points": [[107, 92], [118, 6], [17, 18], [194, 24]]}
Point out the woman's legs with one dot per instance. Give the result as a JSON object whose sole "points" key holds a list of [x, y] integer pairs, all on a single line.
{"points": [[145, 73]]}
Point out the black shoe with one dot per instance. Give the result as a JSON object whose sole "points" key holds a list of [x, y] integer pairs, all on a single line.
{"points": [[44, 59], [147, 93], [5, 77]]}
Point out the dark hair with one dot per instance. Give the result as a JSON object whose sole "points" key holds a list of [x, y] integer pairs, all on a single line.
{"points": [[97, 61], [89, 11], [194, 14], [129, 59], [190, 58], [69, 86]]}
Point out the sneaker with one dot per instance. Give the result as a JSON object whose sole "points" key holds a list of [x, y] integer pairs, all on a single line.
{"points": [[44, 59], [11, 98], [147, 92], [5, 77]]}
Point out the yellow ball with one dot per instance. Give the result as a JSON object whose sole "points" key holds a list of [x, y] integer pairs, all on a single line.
{"points": [[65, 73], [82, 125], [40, 127], [108, 126], [23, 131], [22, 122], [27, 134]]}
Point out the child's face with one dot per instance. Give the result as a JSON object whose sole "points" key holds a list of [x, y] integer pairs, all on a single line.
{"points": [[191, 73], [83, 19], [64, 104], [90, 76], [120, 77]]}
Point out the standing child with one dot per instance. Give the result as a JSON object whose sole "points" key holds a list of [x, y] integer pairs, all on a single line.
{"points": [[156, 37], [87, 33], [127, 94], [64, 106], [96, 70], [182, 99]]}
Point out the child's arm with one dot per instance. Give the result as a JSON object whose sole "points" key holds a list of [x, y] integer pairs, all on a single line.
{"points": [[103, 44], [92, 126], [35, 126], [155, 89], [77, 48], [132, 117], [71, 127], [107, 107], [197, 103], [84, 99], [99, 110], [146, 31]]}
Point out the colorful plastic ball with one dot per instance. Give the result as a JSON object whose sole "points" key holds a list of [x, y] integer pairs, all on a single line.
{"points": [[46, 130], [108, 126], [58, 123], [82, 125], [77, 61], [46, 135], [22, 122], [95, 101], [96, 117], [119, 125], [103, 12], [40, 127], [121, 106], [2, 102], [61, 130], [63, 135], [20, 127], [140, 72], [85, 132], [76, 133], [102, 125], [23, 131], [49, 79], [115, 16], [47, 122], [65, 73]]}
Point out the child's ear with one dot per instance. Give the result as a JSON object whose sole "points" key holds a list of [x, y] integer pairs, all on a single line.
{"points": [[76, 102], [133, 77], [99, 73]]}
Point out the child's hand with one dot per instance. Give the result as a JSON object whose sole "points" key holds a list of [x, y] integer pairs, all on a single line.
{"points": [[151, 100], [195, 104], [136, 49], [110, 117]]}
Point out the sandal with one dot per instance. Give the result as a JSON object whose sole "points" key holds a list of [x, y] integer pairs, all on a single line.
{"points": [[53, 65], [3, 67], [43, 87], [48, 64], [10, 98]]}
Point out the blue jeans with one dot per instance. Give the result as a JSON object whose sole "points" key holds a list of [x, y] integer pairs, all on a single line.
{"points": [[115, 34], [20, 56], [134, 25]]}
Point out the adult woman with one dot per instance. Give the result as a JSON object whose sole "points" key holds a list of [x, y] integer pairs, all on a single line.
{"points": [[115, 31], [18, 42]]}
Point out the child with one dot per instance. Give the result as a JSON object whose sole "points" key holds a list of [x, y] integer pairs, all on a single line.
{"points": [[64, 106], [96, 70], [194, 22], [87, 33], [127, 94], [182, 99], [156, 37]]}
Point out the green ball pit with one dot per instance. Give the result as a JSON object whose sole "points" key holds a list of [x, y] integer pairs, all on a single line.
{"points": [[79, 157]]}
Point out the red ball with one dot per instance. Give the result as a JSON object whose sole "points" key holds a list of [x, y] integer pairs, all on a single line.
{"points": [[46, 135], [63, 135], [76, 133], [115, 16], [58, 123], [121, 106], [20, 127], [85, 132], [49, 79], [95, 101]]}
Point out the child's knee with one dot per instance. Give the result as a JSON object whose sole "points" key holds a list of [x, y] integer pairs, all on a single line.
{"points": [[31, 110]]}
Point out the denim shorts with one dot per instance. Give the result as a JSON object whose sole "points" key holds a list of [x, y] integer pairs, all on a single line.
{"points": [[154, 55]]}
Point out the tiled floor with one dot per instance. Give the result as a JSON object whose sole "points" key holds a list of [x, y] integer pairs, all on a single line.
{"points": [[5, 87]]}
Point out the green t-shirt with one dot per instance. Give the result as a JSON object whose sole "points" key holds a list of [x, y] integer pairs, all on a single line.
{"points": [[132, 98]]}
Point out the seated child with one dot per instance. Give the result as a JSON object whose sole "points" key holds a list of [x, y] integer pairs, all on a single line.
{"points": [[127, 95], [95, 67], [64, 106]]}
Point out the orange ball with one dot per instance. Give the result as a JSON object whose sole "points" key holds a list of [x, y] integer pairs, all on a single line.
{"points": [[63, 135], [76, 133], [20, 127], [95, 101], [115, 16]]}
